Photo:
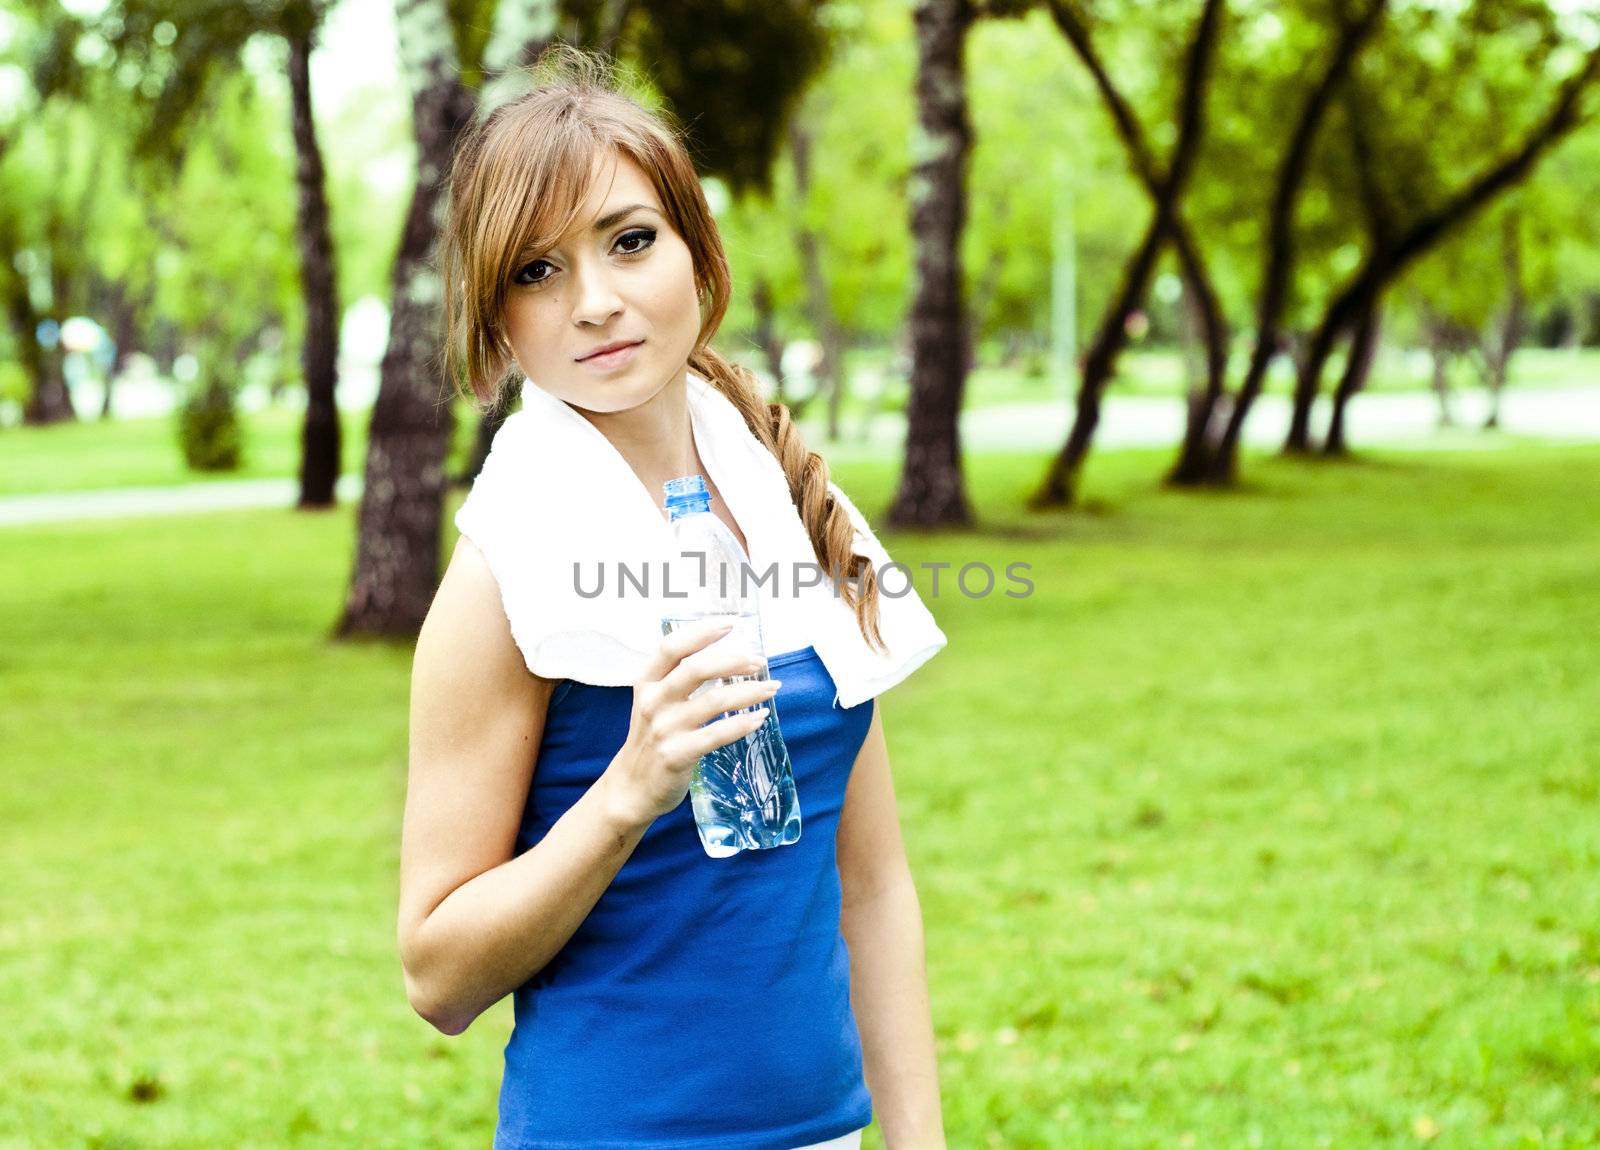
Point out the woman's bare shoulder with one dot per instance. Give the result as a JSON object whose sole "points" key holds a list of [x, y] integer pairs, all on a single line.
{"points": [[467, 625]]}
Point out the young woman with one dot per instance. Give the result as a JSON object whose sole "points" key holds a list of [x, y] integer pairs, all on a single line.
{"points": [[772, 1000]]}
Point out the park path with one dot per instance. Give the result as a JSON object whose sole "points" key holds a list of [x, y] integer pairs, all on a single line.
{"points": [[1401, 419]]}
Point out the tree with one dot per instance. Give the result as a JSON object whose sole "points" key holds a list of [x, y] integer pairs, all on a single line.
{"points": [[1404, 239], [1222, 464], [815, 236], [932, 491], [319, 355], [824, 323], [397, 547], [1165, 187], [226, 271], [181, 48], [1482, 291], [41, 258]]}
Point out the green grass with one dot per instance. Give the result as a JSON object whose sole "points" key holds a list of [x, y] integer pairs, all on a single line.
{"points": [[144, 452], [1160, 371], [91, 455], [1270, 819]]}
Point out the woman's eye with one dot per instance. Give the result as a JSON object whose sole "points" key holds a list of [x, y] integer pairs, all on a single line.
{"points": [[642, 238], [522, 275], [646, 236]]}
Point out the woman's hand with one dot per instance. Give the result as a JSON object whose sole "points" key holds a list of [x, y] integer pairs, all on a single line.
{"points": [[668, 732]]}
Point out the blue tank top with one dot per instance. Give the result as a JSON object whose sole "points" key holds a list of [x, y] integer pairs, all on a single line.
{"points": [[703, 1002]]}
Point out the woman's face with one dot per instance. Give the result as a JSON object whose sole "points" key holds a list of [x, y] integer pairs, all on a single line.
{"points": [[620, 275]]}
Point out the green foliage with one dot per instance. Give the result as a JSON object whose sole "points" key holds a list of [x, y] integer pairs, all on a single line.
{"points": [[1031, 118], [1465, 281], [472, 21], [209, 246], [173, 51], [208, 430], [1037, 125], [370, 154], [859, 166], [229, 271], [730, 71], [1441, 92], [1440, 96]]}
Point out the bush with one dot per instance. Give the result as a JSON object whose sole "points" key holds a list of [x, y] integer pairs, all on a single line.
{"points": [[208, 429]]}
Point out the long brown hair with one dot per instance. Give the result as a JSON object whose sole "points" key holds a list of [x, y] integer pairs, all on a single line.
{"points": [[518, 180]]}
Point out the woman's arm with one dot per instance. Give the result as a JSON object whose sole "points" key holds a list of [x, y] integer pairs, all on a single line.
{"points": [[881, 921], [475, 922]]}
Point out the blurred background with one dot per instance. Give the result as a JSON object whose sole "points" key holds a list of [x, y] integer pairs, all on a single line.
{"points": [[1266, 331]]}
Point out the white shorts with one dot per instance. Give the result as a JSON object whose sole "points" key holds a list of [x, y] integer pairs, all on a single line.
{"points": [[850, 1141]]}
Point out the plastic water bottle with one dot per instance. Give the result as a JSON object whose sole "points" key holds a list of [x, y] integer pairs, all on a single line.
{"points": [[743, 794]]}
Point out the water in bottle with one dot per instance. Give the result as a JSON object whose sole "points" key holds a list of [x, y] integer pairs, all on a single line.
{"points": [[743, 794]]}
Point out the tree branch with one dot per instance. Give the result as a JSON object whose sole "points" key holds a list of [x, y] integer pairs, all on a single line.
{"points": [[1385, 263], [1374, 203], [1195, 272], [1073, 26], [1292, 175]]}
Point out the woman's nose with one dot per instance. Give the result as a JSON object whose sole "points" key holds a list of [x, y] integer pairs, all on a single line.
{"points": [[597, 299]]}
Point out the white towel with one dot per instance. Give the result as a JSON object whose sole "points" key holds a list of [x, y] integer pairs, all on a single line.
{"points": [[554, 494]]}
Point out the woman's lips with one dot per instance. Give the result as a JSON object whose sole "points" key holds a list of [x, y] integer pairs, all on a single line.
{"points": [[611, 360]]}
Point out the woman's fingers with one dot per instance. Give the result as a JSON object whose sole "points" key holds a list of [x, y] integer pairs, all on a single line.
{"points": [[706, 739], [722, 657], [727, 698], [679, 644]]}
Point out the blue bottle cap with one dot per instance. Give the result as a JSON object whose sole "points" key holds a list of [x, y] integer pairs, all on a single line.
{"points": [[687, 493]]}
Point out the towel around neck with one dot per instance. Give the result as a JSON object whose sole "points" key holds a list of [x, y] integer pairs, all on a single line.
{"points": [[556, 507]]}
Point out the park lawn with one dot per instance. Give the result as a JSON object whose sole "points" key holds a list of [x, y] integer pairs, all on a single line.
{"points": [[91, 455], [1157, 371], [1267, 819]]}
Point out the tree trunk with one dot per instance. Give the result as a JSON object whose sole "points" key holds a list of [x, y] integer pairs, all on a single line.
{"points": [[397, 553], [50, 401], [1439, 352], [932, 490], [1307, 380], [1363, 345], [1504, 343], [320, 434], [766, 334], [819, 306], [124, 312], [489, 424], [1197, 279], [1208, 407], [1059, 488], [1278, 271], [24, 323]]}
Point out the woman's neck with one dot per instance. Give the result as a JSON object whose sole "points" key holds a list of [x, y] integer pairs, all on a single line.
{"points": [[656, 438]]}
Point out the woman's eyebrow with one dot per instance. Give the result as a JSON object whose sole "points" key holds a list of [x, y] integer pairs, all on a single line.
{"points": [[607, 221], [617, 216]]}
